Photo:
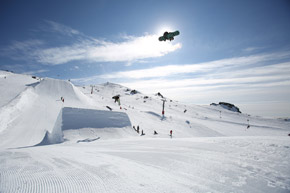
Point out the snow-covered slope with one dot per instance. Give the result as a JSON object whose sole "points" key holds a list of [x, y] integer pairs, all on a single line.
{"points": [[34, 111], [87, 143], [12, 85], [184, 120]]}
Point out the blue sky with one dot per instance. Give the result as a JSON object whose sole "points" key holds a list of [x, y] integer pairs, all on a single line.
{"points": [[236, 51]]}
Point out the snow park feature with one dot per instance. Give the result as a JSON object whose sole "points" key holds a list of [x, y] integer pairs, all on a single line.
{"points": [[86, 143]]}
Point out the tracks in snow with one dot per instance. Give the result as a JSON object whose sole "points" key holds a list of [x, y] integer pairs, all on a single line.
{"points": [[222, 164], [52, 175]]}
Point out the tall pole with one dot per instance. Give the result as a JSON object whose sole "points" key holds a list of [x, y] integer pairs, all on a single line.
{"points": [[163, 107]]}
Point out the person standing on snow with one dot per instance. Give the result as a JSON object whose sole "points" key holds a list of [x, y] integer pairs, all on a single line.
{"points": [[171, 133]]}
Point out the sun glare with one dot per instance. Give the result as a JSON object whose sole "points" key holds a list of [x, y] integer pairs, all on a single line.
{"points": [[163, 29]]}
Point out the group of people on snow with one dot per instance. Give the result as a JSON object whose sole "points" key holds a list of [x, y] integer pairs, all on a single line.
{"points": [[117, 99], [142, 133], [138, 130]]}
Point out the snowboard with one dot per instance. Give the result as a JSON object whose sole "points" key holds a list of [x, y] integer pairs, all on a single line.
{"points": [[169, 36]]}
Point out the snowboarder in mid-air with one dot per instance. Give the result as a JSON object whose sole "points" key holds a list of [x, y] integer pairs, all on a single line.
{"points": [[168, 36]]}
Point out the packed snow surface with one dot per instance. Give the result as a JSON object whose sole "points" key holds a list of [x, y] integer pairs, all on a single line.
{"points": [[57, 137]]}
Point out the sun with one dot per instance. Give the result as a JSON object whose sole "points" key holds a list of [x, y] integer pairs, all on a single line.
{"points": [[163, 29]]}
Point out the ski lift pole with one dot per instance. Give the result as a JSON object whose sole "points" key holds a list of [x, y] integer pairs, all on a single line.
{"points": [[163, 107], [92, 89]]}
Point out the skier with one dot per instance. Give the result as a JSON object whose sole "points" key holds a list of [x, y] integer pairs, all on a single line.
{"points": [[171, 133], [155, 133], [138, 129]]}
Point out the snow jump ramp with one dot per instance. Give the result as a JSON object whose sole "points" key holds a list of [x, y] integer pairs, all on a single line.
{"points": [[76, 124]]}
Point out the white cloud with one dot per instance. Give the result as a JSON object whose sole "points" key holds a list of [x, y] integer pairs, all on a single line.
{"points": [[35, 72], [60, 28], [238, 72], [22, 50], [59, 55], [252, 49], [215, 66], [135, 48], [25, 45], [89, 49]]}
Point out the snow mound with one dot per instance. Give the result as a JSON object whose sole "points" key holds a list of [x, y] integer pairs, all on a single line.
{"points": [[58, 88], [28, 117], [11, 85], [76, 118], [78, 125]]}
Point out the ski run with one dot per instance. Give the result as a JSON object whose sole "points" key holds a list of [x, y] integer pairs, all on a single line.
{"points": [[58, 137]]}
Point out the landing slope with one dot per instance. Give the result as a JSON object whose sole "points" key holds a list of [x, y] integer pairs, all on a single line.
{"points": [[34, 111], [12, 85]]}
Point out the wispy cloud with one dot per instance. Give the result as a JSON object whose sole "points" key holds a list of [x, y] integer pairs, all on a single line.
{"points": [[60, 28], [207, 83], [85, 48], [206, 67], [136, 48], [252, 49], [35, 72], [22, 50]]}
